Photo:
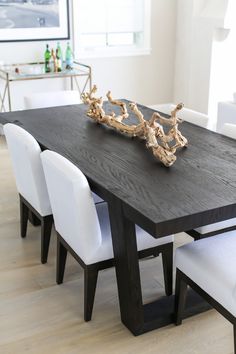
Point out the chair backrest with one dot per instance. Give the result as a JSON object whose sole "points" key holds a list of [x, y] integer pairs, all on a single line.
{"points": [[186, 114], [51, 99], [27, 166], [229, 130], [73, 208]]}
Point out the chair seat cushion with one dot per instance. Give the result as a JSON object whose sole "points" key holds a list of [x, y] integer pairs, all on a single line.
{"points": [[211, 264], [217, 226], [97, 199], [144, 240]]}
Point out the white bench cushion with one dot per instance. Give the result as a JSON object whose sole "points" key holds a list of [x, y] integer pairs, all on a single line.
{"points": [[211, 263], [229, 130], [226, 113], [216, 226], [144, 240], [201, 120]]}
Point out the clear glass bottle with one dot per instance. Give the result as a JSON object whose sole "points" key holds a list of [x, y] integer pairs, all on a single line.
{"points": [[69, 57]]}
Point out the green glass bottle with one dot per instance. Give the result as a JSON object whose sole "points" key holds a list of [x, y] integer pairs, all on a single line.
{"points": [[47, 57], [69, 57], [59, 57]]}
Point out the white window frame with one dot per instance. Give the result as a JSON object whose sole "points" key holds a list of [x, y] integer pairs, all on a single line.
{"points": [[114, 51]]}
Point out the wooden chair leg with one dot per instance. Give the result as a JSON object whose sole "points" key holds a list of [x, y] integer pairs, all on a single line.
{"points": [[24, 215], [33, 219], [61, 261], [46, 228], [167, 261], [180, 297], [90, 283]]}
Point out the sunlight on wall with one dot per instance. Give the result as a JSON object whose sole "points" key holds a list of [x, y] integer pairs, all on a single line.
{"points": [[223, 64], [197, 21]]}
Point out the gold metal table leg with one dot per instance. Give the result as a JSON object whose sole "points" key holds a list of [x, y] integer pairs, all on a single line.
{"points": [[2, 99]]}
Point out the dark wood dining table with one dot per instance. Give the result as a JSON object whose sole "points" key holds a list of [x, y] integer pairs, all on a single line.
{"points": [[199, 189]]}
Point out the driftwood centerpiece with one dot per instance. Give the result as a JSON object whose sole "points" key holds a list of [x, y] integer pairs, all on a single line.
{"points": [[152, 131]]}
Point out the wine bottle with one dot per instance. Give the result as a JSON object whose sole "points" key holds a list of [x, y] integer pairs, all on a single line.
{"points": [[47, 57], [59, 57]]}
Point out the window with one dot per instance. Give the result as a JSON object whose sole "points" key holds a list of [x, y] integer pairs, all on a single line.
{"points": [[111, 27]]}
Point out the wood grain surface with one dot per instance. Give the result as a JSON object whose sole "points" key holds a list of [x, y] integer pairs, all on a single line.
{"points": [[199, 189], [40, 317]]}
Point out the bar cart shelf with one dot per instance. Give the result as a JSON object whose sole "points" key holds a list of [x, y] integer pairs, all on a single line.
{"points": [[36, 71]]}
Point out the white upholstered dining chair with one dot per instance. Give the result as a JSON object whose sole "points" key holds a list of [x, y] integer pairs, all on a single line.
{"points": [[84, 230], [55, 99], [28, 171], [186, 114], [51, 99], [208, 267]]}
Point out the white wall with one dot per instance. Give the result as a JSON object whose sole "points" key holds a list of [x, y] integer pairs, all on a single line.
{"points": [[26, 52], [197, 22], [144, 79]]}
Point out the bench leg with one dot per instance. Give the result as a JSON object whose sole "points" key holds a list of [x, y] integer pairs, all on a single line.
{"points": [[180, 297], [167, 261]]}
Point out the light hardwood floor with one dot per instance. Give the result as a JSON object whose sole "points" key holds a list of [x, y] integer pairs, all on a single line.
{"points": [[38, 316]]}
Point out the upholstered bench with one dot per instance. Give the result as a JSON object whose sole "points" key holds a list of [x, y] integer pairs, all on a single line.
{"points": [[229, 130], [226, 114]]}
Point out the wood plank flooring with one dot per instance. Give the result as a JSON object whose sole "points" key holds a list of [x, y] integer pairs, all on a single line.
{"points": [[37, 316]]}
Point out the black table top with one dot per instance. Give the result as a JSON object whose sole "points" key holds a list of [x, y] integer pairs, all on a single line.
{"points": [[199, 189]]}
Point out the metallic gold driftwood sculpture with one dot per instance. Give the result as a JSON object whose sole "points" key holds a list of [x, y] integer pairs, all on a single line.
{"points": [[152, 131]]}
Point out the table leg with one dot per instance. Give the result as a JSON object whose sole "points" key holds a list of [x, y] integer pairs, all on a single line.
{"points": [[127, 268], [139, 318]]}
